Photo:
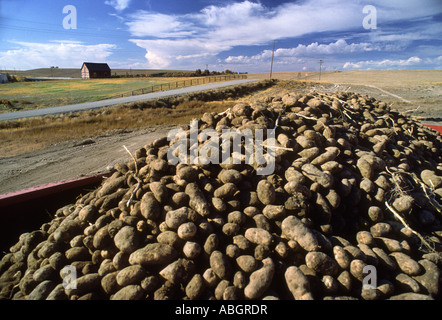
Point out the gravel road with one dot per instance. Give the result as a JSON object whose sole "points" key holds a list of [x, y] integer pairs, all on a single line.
{"points": [[110, 102]]}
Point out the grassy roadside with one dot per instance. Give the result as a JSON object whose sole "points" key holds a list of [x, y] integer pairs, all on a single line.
{"points": [[42, 132], [44, 94]]}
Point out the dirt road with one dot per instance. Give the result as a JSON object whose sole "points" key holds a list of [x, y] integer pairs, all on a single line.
{"points": [[73, 159]]}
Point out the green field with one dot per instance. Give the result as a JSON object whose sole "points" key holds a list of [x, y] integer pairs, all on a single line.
{"points": [[43, 94], [76, 73]]}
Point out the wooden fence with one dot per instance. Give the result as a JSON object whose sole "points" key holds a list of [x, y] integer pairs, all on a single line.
{"points": [[181, 84]]}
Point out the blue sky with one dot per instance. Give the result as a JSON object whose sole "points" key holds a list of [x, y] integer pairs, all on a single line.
{"points": [[236, 35]]}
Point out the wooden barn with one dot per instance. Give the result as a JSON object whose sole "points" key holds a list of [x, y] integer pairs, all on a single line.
{"points": [[91, 70]]}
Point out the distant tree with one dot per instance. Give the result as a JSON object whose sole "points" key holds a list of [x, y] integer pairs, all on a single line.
{"points": [[198, 72], [229, 72], [11, 78]]}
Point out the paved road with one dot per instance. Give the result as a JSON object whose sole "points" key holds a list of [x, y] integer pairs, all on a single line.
{"points": [[110, 102]]}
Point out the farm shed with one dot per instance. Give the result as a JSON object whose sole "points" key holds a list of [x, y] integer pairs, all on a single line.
{"points": [[3, 78], [95, 70]]}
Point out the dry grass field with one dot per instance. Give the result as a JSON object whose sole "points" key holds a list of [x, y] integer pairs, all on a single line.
{"points": [[28, 135], [419, 90], [382, 78]]}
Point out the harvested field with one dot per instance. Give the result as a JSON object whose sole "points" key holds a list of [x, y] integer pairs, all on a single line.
{"points": [[355, 185], [418, 92]]}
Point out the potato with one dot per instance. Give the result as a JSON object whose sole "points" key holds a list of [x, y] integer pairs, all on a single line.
{"points": [[211, 243], [304, 142], [406, 264], [294, 229], [42, 290], [316, 175], [381, 229], [321, 263], [365, 237], [195, 287], [88, 213], [220, 264], [130, 275], [178, 271], [266, 192], [159, 191], [230, 176], [127, 239], [187, 231], [102, 238], [430, 178], [153, 254], [298, 284], [342, 257], [192, 249], [330, 155], [260, 280], [149, 207], [403, 204], [310, 153], [175, 218], [210, 278], [170, 238], [293, 187], [86, 283], [247, 263], [131, 292], [111, 185], [258, 236], [227, 190], [292, 174], [197, 201], [273, 212]]}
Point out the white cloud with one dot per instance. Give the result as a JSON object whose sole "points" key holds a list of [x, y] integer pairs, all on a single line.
{"points": [[223, 27], [386, 64], [119, 5], [65, 54], [147, 24], [314, 49], [159, 54], [220, 28]]}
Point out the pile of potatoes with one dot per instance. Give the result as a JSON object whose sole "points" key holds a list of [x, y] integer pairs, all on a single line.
{"points": [[356, 187]]}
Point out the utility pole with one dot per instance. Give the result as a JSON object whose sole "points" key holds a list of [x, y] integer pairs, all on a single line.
{"points": [[273, 54], [320, 69]]}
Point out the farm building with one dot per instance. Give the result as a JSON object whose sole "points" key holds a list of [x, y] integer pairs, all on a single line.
{"points": [[3, 78], [95, 70]]}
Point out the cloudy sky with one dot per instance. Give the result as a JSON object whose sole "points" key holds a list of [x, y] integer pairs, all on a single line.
{"points": [[222, 34]]}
